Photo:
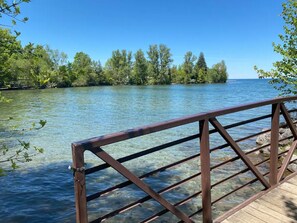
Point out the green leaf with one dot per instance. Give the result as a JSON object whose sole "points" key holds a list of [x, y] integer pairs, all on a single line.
{"points": [[42, 123]]}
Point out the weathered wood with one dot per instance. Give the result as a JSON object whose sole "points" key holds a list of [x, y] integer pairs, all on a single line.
{"points": [[287, 160], [238, 151], [289, 120], [292, 189], [268, 210], [205, 171], [274, 137], [244, 217], [278, 205], [260, 215], [275, 196], [79, 185], [288, 191], [139, 183], [293, 181]]}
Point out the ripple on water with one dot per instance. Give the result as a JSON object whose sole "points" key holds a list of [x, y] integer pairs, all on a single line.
{"points": [[42, 191]]}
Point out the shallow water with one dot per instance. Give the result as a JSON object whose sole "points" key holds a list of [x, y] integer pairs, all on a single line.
{"points": [[42, 190]]}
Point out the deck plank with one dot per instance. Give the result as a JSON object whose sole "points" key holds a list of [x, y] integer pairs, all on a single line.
{"points": [[281, 215], [293, 181], [278, 205], [245, 217]]}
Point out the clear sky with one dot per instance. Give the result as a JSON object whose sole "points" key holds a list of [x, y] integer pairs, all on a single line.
{"points": [[239, 32]]}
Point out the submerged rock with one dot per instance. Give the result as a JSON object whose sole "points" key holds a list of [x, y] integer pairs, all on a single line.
{"points": [[264, 139], [293, 167], [283, 134]]}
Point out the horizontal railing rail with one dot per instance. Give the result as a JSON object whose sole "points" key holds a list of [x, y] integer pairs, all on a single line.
{"points": [[267, 172]]}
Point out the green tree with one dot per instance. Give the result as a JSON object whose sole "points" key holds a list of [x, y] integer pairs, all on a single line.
{"points": [[201, 76], [165, 62], [58, 58], [60, 75], [99, 73], [33, 67], [9, 46], [81, 69], [188, 68], [284, 73], [159, 64], [218, 73], [154, 64], [200, 70], [201, 64], [140, 69], [119, 67], [9, 50]]}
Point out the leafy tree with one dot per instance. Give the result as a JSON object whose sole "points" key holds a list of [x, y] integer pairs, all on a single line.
{"points": [[33, 67], [140, 69], [8, 47], [98, 72], [62, 77], [218, 73], [188, 68], [82, 69], [119, 67], [201, 76], [12, 9], [182, 77], [159, 64], [58, 58], [284, 74], [165, 62], [154, 64], [201, 64], [200, 69]]}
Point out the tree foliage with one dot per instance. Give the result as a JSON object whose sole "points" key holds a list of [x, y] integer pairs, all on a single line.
{"points": [[201, 70], [9, 46], [11, 9], [188, 74], [284, 73], [218, 73], [119, 67], [12, 67], [23, 152], [37, 66], [159, 64], [140, 69]]}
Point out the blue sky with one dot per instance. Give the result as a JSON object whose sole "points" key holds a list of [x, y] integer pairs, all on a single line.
{"points": [[239, 32]]}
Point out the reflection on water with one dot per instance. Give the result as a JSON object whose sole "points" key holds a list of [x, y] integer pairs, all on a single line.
{"points": [[42, 191]]}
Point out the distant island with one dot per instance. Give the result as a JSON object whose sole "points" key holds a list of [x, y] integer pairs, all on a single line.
{"points": [[37, 66]]}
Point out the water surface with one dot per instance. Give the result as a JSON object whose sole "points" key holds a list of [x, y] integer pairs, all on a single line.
{"points": [[42, 190]]}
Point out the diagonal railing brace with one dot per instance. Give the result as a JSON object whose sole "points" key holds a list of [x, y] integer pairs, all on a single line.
{"points": [[238, 151], [288, 120], [139, 183], [293, 147]]}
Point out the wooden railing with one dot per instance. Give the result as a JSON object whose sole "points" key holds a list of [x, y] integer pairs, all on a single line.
{"points": [[277, 162]]}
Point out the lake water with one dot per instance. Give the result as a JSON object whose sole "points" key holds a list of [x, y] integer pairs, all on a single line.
{"points": [[42, 190]]}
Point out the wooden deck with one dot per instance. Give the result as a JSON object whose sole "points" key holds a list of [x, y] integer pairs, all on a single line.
{"points": [[278, 205]]}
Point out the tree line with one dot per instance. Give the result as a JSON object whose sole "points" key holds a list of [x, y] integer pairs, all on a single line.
{"points": [[37, 66]]}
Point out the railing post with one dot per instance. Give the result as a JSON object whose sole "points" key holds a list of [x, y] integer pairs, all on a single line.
{"points": [[274, 137], [79, 184], [205, 170]]}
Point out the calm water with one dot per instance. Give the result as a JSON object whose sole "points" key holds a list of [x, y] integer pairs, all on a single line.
{"points": [[42, 190]]}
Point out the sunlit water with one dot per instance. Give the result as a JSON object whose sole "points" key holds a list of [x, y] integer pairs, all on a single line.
{"points": [[42, 190]]}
